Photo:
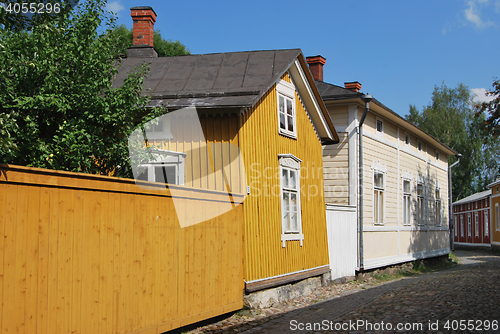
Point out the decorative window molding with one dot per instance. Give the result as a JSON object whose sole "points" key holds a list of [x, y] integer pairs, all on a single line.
{"points": [[469, 227], [164, 167], [291, 210], [420, 203], [461, 225], [486, 224], [406, 201], [437, 206], [476, 224], [287, 118], [379, 126], [455, 225], [378, 197]]}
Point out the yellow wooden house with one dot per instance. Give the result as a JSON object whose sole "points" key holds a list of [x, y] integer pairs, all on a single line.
{"points": [[495, 214]]}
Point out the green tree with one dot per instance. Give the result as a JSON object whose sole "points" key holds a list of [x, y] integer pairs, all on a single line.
{"points": [[450, 119], [491, 111], [164, 48], [57, 102]]}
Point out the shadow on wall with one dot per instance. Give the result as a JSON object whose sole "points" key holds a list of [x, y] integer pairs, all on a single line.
{"points": [[426, 226]]}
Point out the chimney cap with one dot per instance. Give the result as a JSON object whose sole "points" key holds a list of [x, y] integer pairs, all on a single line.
{"points": [[353, 85], [143, 8], [316, 60]]}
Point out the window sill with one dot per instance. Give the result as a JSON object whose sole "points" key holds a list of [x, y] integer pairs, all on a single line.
{"points": [[292, 236], [291, 135]]}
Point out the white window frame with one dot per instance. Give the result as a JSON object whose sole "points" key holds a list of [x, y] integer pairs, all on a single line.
{"points": [[165, 158], [421, 205], [289, 162], [497, 217], [437, 207], [486, 224], [469, 225], [476, 224], [406, 203], [455, 225], [287, 91], [377, 193], [462, 225]]}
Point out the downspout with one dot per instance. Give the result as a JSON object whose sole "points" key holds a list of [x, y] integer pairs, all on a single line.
{"points": [[366, 99], [450, 200]]}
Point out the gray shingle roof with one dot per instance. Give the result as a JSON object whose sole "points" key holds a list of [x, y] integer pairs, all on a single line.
{"points": [[236, 79]]}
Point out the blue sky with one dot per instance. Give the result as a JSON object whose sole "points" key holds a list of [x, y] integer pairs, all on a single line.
{"points": [[398, 50]]}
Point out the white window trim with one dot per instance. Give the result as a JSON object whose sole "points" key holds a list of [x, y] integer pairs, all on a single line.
{"points": [[409, 140], [409, 200], [379, 170], [167, 158], [469, 225], [421, 223], [436, 201], [486, 224], [455, 225], [497, 217], [462, 225], [289, 161], [476, 224], [286, 90]]}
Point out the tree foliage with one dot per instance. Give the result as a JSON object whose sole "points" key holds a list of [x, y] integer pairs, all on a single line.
{"points": [[164, 48], [491, 111], [450, 119], [57, 104]]}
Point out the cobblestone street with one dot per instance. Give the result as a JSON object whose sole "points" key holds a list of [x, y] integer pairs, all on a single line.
{"points": [[440, 302]]}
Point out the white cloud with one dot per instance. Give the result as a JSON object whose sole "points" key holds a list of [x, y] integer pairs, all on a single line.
{"points": [[479, 95], [473, 14], [114, 7]]}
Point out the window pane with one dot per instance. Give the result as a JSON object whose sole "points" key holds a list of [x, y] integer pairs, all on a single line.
{"points": [[379, 180], [420, 189], [143, 173], [293, 202], [379, 126], [381, 207], [281, 104], [289, 109], [286, 202], [438, 194], [282, 121], [284, 178], [375, 206], [293, 222], [293, 183], [290, 123], [406, 186]]}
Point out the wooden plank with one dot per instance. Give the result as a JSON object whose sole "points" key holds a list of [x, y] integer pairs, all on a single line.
{"points": [[204, 160], [3, 223], [217, 154], [32, 259], [128, 262], [292, 277], [105, 266], [233, 154], [209, 137], [43, 261], [95, 250], [79, 251], [53, 258], [187, 130], [118, 263], [195, 156]]}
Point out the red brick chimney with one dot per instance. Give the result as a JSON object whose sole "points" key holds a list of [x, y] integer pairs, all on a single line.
{"points": [[316, 66], [354, 86], [144, 18]]}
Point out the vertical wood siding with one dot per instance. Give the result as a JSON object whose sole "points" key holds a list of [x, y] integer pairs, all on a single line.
{"points": [[93, 254], [261, 143], [207, 156]]}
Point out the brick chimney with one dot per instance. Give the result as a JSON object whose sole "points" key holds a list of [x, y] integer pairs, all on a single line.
{"points": [[144, 18], [354, 86], [316, 66]]}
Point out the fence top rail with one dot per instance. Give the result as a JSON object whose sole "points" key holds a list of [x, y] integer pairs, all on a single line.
{"points": [[14, 174]]}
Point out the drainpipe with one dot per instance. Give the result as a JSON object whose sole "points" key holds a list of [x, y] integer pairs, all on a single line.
{"points": [[450, 200], [366, 99]]}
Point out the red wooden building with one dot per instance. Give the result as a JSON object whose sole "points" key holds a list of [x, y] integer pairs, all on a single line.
{"points": [[471, 219]]}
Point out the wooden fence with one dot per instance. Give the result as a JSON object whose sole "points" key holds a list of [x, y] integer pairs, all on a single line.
{"points": [[94, 254]]}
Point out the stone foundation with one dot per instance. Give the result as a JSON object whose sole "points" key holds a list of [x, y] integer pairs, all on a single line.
{"points": [[272, 297]]}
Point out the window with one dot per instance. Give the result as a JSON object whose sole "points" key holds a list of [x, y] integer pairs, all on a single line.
{"points": [[161, 130], [497, 217], [476, 225], [437, 156], [469, 232], [166, 167], [286, 109], [461, 225], [486, 224], [291, 222], [438, 207], [420, 204], [380, 126], [407, 139], [378, 198], [419, 145], [406, 202], [455, 226]]}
